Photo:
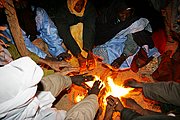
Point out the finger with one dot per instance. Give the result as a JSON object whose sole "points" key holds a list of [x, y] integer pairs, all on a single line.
{"points": [[110, 102], [101, 87], [85, 86], [113, 98], [73, 69]]}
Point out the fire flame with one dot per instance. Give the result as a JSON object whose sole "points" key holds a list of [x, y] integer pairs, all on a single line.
{"points": [[115, 90], [111, 89]]}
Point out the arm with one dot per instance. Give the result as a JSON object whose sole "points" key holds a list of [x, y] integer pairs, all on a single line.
{"points": [[166, 92], [55, 83], [49, 32], [89, 27], [87, 108], [64, 19], [126, 113]]}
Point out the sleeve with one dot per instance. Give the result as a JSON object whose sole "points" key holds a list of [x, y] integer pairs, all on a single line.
{"points": [[165, 92], [63, 20], [129, 114], [85, 109], [49, 33], [89, 27], [55, 83]]}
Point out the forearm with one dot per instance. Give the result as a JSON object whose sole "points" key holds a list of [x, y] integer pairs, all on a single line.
{"points": [[86, 108], [162, 91], [88, 37], [89, 27], [68, 40], [56, 83]]}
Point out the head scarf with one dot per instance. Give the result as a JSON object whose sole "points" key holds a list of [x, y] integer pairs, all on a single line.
{"points": [[18, 83], [72, 3]]}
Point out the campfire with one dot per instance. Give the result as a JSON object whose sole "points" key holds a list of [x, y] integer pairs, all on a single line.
{"points": [[109, 88]]}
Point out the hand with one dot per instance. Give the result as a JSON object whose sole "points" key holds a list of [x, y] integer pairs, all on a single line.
{"points": [[114, 101], [56, 65], [109, 109], [90, 61], [80, 79], [2, 43], [82, 62], [67, 70], [118, 61], [95, 88], [133, 83], [64, 56]]}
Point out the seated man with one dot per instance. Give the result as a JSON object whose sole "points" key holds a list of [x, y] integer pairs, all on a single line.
{"points": [[20, 98], [37, 26], [47, 33], [120, 37], [75, 21]]}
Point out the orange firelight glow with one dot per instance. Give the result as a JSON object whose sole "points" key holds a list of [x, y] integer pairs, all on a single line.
{"points": [[111, 89], [116, 90], [79, 98]]}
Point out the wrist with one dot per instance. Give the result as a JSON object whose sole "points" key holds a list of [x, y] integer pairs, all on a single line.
{"points": [[119, 110], [140, 84]]}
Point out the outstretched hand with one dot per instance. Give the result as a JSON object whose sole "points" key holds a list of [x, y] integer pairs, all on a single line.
{"points": [[57, 65], [95, 88], [133, 83], [91, 62], [115, 102], [116, 63], [80, 79], [67, 70], [82, 63]]}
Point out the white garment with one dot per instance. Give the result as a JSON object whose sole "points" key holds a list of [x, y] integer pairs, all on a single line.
{"points": [[18, 99], [114, 47]]}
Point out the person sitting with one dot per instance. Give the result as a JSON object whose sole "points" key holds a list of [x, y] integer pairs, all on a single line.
{"points": [[35, 53], [37, 27], [75, 21], [22, 99], [120, 36], [166, 93]]}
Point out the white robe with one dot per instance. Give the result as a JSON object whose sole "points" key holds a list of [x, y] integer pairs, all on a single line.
{"points": [[19, 99]]}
